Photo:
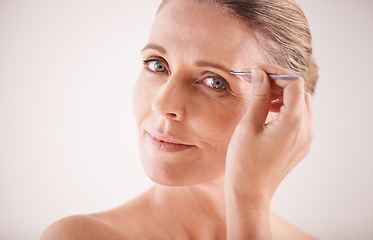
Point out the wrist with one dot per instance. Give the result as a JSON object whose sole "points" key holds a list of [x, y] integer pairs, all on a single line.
{"points": [[247, 215], [255, 193]]}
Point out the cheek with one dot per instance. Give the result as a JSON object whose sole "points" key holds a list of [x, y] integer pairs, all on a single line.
{"points": [[215, 122], [141, 99], [218, 120]]}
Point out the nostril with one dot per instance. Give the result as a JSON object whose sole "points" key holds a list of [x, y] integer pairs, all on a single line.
{"points": [[172, 115]]}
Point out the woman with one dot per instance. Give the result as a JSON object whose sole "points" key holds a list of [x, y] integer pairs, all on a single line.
{"points": [[216, 145]]}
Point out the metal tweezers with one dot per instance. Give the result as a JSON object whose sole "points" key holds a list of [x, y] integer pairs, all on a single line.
{"points": [[271, 76]]}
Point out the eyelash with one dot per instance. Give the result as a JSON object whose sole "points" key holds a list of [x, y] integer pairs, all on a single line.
{"points": [[219, 78], [155, 59], [213, 75]]}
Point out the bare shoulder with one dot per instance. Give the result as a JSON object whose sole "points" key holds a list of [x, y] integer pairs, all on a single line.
{"points": [[118, 223], [84, 227], [281, 229]]}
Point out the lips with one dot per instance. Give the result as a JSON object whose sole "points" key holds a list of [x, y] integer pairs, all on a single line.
{"points": [[166, 143]]}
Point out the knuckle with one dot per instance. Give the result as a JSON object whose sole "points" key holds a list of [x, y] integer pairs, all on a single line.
{"points": [[261, 97]]}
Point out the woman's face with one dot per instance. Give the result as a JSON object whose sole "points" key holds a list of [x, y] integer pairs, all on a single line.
{"points": [[185, 102]]}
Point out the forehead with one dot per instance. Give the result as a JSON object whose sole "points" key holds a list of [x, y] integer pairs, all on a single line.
{"points": [[204, 30]]}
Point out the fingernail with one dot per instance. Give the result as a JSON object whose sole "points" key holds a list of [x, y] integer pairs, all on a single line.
{"points": [[256, 77]]}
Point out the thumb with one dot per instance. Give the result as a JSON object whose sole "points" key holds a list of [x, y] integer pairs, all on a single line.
{"points": [[261, 98]]}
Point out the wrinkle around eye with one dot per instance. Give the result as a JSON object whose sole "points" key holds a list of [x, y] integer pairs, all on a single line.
{"points": [[237, 105]]}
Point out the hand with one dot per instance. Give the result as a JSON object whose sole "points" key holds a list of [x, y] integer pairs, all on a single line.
{"points": [[268, 142], [272, 137]]}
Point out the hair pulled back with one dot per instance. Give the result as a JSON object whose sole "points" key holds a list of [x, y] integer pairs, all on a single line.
{"points": [[282, 32]]}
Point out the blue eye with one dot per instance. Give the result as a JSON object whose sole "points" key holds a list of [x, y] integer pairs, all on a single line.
{"points": [[156, 66], [215, 82]]}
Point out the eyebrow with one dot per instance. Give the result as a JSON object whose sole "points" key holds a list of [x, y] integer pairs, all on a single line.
{"points": [[157, 47], [200, 63], [213, 65]]}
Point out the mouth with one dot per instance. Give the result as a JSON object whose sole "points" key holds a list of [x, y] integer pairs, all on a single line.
{"points": [[166, 143]]}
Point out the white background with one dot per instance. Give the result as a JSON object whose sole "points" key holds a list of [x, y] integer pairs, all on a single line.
{"points": [[67, 139]]}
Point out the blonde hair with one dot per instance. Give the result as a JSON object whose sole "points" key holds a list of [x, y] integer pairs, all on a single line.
{"points": [[282, 32]]}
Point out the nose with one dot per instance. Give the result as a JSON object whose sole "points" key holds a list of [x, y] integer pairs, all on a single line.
{"points": [[170, 100]]}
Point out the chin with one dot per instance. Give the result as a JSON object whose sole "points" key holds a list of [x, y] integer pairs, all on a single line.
{"points": [[177, 175]]}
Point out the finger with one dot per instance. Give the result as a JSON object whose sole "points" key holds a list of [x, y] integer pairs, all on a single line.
{"points": [[293, 97], [261, 98], [292, 100], [277, 84]]}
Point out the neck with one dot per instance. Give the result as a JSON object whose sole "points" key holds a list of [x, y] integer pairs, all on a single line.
{"points": [[197, 209]]}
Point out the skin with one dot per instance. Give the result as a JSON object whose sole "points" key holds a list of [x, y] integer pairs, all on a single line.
{"points": [[215, 188]]}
